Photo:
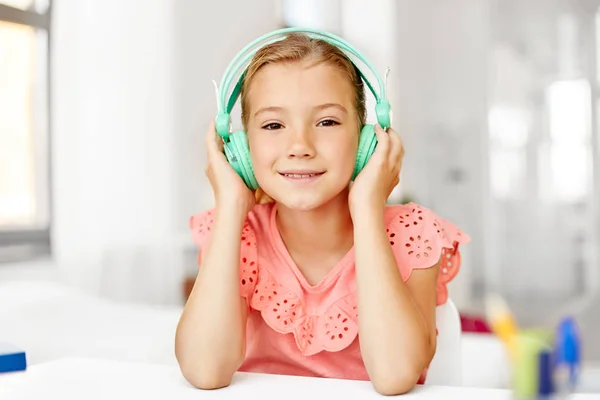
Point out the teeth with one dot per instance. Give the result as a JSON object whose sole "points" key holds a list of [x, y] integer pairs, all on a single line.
{"points": [[300, 176]]}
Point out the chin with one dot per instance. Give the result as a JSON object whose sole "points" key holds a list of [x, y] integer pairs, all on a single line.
{"points": [[304, 198], [297, 203], [305, 201], [301, 205]]}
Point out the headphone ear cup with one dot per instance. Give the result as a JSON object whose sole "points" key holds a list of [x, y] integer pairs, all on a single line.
{"points": [[366, 146], [238, 156]]}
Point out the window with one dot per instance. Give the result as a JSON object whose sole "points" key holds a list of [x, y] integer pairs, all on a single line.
{"points": [[24, 129], [568, 150], [509, 136]]}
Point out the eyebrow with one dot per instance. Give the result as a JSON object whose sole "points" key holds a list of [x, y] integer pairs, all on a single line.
{"points": [[267, 109], [330, 105], [319, 107]]}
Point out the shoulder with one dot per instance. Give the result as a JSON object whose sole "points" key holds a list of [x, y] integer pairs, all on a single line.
{"points": [[407, 220], [422, 239]]}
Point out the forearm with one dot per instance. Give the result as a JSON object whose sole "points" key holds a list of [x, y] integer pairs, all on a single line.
{"points": [[210, 339], [395, 338]]}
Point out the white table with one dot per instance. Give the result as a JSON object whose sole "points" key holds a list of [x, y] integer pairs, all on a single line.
{"points": [[78, 378]]}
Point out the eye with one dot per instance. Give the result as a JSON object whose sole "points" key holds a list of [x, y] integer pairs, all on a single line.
{"points": [[272, 126], [328, 122]]}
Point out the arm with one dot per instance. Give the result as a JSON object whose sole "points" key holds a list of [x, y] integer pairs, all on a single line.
{"points": [[211, 334], [396, 319]]}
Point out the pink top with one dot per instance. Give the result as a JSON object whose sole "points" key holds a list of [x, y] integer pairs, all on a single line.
{"points": [[295, 328]]}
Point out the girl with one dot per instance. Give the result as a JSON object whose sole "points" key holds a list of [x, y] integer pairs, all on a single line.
{"points": [[323, 278]]}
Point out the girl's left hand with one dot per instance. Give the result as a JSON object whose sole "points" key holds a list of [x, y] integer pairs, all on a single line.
{"points": [[381, 174]]}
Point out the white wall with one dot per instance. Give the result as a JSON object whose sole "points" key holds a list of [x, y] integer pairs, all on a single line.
{"points": [[326, 15], [112, 124], [441, 110]]}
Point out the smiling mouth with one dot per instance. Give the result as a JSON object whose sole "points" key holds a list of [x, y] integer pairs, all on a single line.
{"points": [[300, 176]]}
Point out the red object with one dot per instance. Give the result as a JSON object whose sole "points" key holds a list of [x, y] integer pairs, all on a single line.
{"points": [[474, 324]]}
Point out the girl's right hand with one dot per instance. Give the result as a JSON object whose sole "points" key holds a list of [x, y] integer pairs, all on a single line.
{"points": [[231, 193]]}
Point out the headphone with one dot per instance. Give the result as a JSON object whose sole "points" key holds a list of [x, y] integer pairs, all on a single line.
{"points": [[235, 144]]}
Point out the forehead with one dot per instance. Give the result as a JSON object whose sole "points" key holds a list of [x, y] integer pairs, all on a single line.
{"points": [[301, 83]]}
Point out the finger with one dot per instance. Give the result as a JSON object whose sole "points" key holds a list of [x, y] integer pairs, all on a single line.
{"points": [[396, 146], [383, 141], [394, 137], [210, 141], [214, 144], [396, 152], [219, 142]]}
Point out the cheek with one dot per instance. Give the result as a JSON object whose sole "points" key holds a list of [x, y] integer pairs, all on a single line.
{"points": [[343, 150], [261, 153]]}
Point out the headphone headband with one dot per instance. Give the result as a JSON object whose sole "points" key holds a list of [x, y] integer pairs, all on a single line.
{"points": [[382, 107]]}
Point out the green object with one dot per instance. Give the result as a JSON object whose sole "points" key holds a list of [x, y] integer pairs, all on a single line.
{"points": [[546, 336], [236, 144], [528, 346]]}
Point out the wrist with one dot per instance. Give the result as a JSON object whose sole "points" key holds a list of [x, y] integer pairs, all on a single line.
{"points": [[233, 216], [236, 207], [369, 216], [367, 208]]}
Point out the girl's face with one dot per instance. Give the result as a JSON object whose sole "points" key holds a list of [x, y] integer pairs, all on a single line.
{"points": [[303, 132]]}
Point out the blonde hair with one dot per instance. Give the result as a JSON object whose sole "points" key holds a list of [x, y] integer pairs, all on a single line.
{"points": [[297, 47]]}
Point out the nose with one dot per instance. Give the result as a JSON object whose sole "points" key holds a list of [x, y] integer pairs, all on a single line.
{"points": [[301, 145]]}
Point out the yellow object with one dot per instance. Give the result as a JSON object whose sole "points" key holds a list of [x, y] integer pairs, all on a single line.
{"points": [[501, 321]]}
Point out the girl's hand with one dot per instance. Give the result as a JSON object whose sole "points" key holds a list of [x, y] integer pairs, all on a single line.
{"points": [[231, 193], [375, 182]]}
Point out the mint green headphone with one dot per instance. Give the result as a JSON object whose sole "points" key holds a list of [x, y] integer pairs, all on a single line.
{"points": [[236, 144]]}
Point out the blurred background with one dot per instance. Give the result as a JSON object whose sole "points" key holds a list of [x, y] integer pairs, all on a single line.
{"points": [[104, 105]]}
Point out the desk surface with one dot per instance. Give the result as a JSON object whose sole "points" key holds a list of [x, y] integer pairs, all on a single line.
{"points": [[75, 378]]}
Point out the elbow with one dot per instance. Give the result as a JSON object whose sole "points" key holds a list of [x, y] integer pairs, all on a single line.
{"points": [[207, 372], [207, 377], [394, 383], [401, 377], [208, 380]]}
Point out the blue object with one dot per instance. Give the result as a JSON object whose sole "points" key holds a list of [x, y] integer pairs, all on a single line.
{"points": [[12, 358], [568, 352], [545, 374]]}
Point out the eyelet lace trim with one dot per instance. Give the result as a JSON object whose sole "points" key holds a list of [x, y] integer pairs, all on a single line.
{"points": [[418, 238]]}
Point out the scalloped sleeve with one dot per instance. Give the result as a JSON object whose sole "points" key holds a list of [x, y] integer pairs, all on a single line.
{"points": [[420, 238], [201, 226]]}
